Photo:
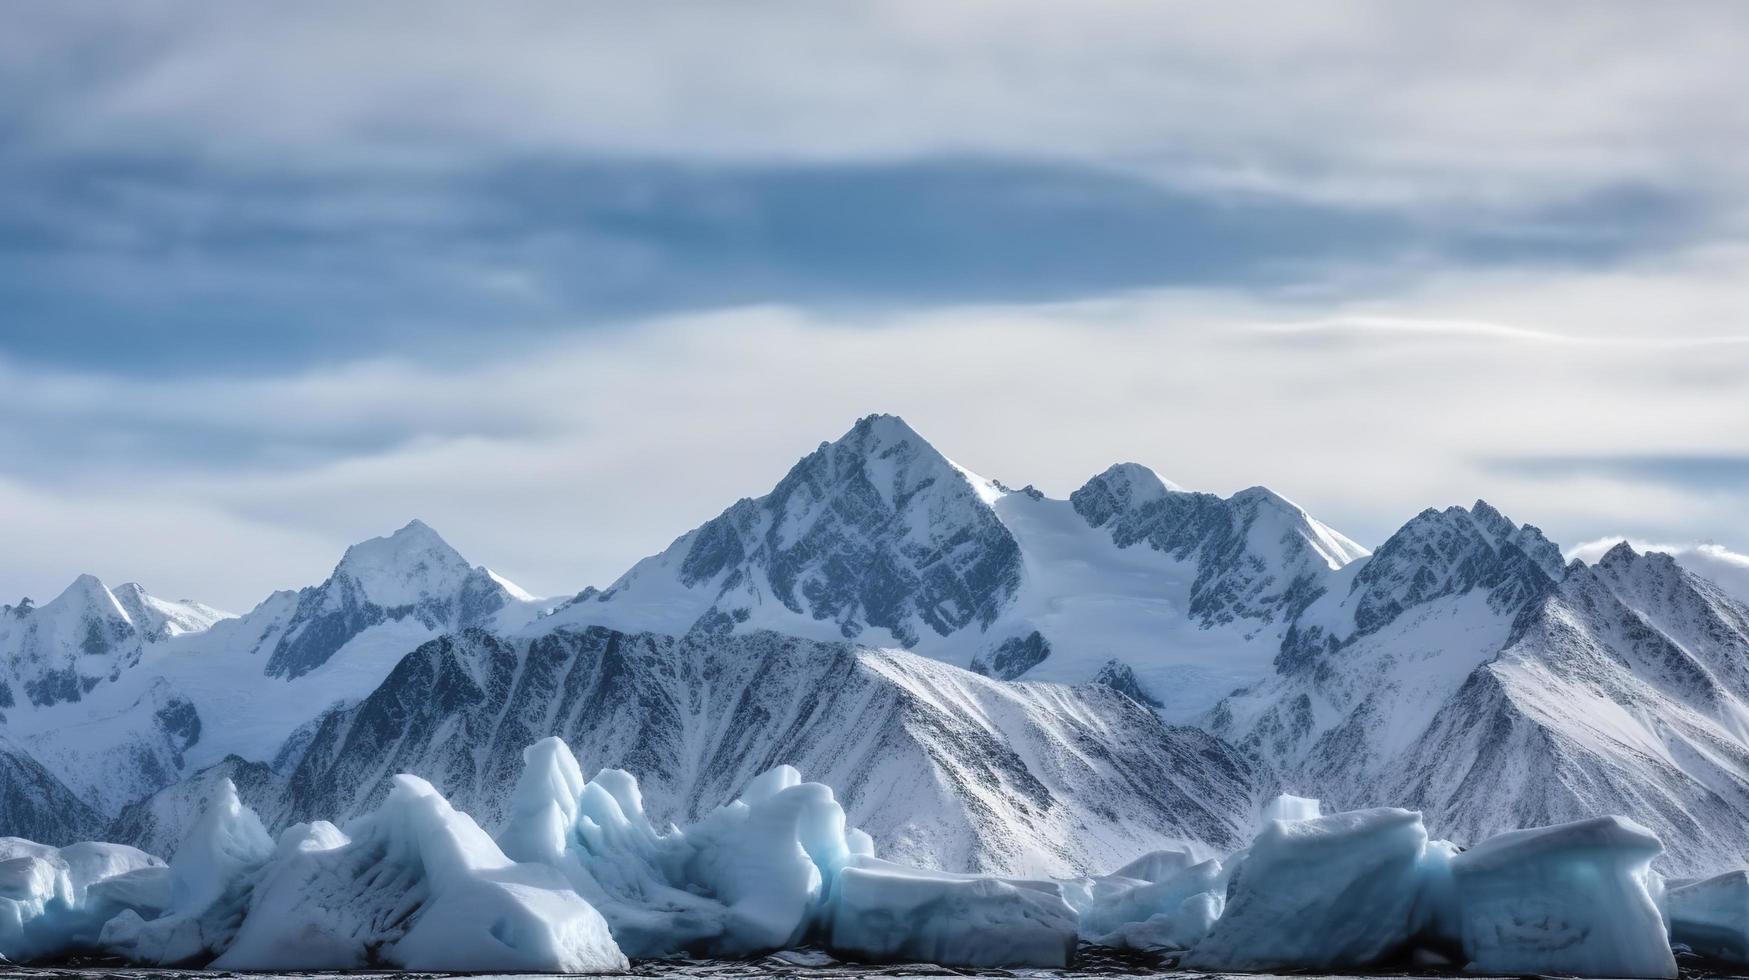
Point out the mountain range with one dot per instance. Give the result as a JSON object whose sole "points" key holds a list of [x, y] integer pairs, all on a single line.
{"points": [[995, 679]]}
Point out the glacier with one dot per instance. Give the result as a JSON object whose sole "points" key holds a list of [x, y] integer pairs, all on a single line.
{"points": [[577, 879]]}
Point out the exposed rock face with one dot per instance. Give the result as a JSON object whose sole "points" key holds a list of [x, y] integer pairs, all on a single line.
{"points": [[1468, 674], [876, 531], [1258, 555], [37, 806], [943, 766]]}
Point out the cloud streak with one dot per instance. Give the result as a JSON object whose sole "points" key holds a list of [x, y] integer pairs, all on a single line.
{"points": [[561, 465]]}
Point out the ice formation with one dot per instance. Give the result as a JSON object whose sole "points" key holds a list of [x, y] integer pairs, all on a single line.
{"points": [[765, 872], [579, 878], [748, 878], [56, 900], [1161, 900], [418, 886], [1711, 917], [1575, 898], [1289, 807], [883, 911], [210, 881], [1340, 891]]}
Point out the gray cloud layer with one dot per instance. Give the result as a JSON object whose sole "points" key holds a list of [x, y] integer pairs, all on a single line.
{"points": [[565, 279]]}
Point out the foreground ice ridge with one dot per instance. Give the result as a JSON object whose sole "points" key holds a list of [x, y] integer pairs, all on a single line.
{"points": [[578, 879]]}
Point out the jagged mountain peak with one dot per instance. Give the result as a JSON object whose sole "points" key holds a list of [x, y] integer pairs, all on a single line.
{"points": [[875, 529], [1449, 552], [1121, 488], [1621, 554], [410, 574], [892, 458]]}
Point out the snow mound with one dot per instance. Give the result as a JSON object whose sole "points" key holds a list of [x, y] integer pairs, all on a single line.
{"points": [[418, 886], [53, 900], [210, 881], [1340, 891], [1711, 917], [1575, 898]]}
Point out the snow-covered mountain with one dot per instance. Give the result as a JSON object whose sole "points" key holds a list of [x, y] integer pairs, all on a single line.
{"points": [[943, 766], [86, 636], [995, 678], [126, 695], [879, 538], [1466, 671]]}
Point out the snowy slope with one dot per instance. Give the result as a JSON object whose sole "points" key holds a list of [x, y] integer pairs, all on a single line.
{"points": [[943, 766]]}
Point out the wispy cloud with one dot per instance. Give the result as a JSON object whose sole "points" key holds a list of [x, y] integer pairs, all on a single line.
{"points": [[562, 464], [1727, 568], [1364, 327]]}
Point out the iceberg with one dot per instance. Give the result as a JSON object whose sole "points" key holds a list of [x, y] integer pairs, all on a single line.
{"points": [[579, 877], [1290, 807], [748, 878], [1575, 898], [54, 901], [1711, 917], [882, 911], [1341, 891], [210, 881], [416, 885], [766, 872], [1163, 900]]}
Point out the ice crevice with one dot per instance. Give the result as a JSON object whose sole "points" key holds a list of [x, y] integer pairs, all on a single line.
{"points": [[579, 880]]}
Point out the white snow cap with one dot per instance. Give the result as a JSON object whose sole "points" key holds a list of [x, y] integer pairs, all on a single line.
{"points": [[404, 567]]}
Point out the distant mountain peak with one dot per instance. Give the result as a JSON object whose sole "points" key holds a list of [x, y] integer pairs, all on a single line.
{"points": [[405, 567], [85, 591], [1449, 552], [1621, 554], [1121, 487], [880, 425], [410, 573], [875, 529]]}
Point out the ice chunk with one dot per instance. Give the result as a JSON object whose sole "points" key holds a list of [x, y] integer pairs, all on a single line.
{"points": [[1156, 865], [1181, 928], [1322, 893], [418, 886], [210, 880], [1119, 902], [1573, 898], [1289, 807], [747, 878], [1711, 917], [53, 901], [881, 911]]}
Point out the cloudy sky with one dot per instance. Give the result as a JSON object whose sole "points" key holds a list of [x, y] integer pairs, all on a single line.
{"points": [[566, 279]]}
